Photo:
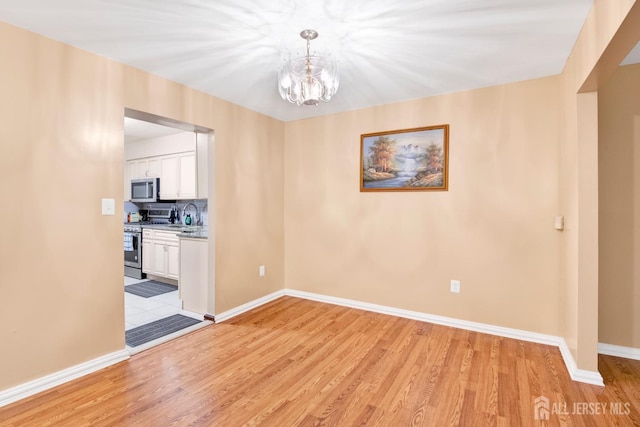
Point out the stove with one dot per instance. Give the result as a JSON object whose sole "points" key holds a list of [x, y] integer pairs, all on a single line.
{"points": [[160, 216], [152, 216], [133, 250], [133, 239], [132, 227], [136, 227]]}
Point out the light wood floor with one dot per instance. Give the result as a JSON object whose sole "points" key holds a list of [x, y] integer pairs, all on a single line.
{"points": [[297, 362]]}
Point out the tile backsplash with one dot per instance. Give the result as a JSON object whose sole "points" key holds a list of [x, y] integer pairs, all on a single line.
{"points": [[202, 205]]}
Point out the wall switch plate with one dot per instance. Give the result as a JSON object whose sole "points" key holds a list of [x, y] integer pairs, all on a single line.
{"points": [[108, 207], [559, 223], [455, 286], [261, 270]]}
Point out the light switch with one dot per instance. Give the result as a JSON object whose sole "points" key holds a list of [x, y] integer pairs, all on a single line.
{"points": [[108, 207], [559, 223]]}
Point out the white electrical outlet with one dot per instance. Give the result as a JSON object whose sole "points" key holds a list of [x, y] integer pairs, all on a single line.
{"points": [[261, 270], [455, 286]]}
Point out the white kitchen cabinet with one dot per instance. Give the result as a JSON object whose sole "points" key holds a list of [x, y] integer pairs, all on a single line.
{"points": [[131, 171], [193, 280], [138, 169], [161, 253], [202, 168], [147, 251], [153, 168], [178, 176], [127, 181], [173, 261], [144, 168], [159, 259], [169, 177], [188, 175]]}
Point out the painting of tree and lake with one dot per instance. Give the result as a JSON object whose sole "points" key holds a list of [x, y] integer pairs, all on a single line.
{"points": [[405, 160]]}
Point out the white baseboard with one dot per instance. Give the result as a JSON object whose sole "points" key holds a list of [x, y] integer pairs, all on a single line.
{"points": [[619, 351], [49, 381], [590, 377], [226, 315], [580, 375]]}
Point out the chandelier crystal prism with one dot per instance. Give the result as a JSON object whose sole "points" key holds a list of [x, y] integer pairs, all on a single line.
{"points": [[307, 80]]}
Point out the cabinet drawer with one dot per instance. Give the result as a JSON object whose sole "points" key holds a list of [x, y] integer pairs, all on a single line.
{"points": [[167, 236], [147, 234]]}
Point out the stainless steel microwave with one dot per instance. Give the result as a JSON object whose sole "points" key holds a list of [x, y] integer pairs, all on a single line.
{"points": [[145, 190]]}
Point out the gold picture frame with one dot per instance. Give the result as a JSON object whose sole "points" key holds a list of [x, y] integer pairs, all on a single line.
{"points": [[415, 159]]}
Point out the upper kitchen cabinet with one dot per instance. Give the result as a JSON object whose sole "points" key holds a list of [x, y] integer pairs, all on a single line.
{"points": [[144, 168], [179, 160], [188, 175], [178, 176], [137, 169], [202, 169], [169, 185]]}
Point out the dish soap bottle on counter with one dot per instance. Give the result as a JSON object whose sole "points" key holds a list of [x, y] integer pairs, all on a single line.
{"points": [[187, 219]]}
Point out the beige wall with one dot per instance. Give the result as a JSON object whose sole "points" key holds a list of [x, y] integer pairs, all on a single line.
{"points": [[249, 169], [609, 28], [515, 163], [61, 268], [60, 260], [493, 229], [409, 263], [619, 165]]}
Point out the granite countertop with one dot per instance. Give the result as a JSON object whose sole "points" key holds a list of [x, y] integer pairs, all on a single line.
{"points": [[191, 231], [202, 234]]}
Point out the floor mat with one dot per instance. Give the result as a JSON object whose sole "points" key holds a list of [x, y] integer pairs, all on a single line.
{"points": [[149, 288], [154, 330]]}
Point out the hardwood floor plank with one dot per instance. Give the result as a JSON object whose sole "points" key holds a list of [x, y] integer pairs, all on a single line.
{"points": [[295, 362]]}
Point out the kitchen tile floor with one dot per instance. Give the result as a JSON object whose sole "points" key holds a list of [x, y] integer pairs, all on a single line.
{"points": [[140, 311]]}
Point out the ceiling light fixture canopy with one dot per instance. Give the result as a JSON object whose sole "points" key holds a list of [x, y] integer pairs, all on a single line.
{"points": [[307, 80]]}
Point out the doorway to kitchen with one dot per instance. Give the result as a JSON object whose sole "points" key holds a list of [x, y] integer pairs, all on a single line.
{"points": [[168, 228]]}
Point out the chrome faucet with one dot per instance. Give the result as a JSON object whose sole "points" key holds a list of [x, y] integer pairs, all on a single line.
{"points": [[184, 210]]}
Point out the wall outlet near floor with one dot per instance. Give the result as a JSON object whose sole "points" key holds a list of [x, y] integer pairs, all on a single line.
{"points": [[261, 270], [455, 286]]}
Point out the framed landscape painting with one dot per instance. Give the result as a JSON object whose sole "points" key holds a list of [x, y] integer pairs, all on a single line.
{"points": [[405, 160]]}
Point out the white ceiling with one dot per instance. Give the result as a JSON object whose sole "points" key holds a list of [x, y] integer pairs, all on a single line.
{"points": [[388, 50]]}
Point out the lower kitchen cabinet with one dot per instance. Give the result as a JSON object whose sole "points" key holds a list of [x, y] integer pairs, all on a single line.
{"points": [[161, 253], [147, 256], [173, 260], [193, 280]]}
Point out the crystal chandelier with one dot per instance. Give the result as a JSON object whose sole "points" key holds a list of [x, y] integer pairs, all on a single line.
{"points": [[309, 79]]}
